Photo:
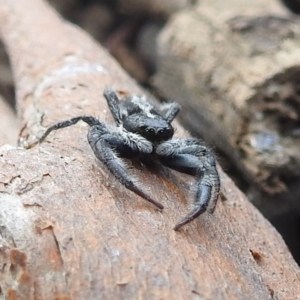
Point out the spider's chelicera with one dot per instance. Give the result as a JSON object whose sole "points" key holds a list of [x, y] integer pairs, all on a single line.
{"points": [[144, 131]]}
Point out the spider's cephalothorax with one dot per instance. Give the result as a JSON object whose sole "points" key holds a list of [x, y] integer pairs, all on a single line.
{"points": [[143, 131]]}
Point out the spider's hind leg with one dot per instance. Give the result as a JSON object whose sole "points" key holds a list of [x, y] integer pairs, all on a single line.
{"points": [[87, 119], [91, 121], [190, 156]]}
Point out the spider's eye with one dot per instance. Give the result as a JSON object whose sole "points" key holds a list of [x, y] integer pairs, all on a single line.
{"points": [[151, 130], [161, 131]]}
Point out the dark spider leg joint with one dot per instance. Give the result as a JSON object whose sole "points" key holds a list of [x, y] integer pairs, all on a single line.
{"points": [[145, 131]]}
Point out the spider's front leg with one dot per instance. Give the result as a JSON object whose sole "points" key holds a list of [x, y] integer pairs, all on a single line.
{"points": [[109, 146], [190, 156], [169, 111], [113, 103]]}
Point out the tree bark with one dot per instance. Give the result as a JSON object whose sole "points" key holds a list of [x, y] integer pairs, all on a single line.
{"points": [[70, 231]]}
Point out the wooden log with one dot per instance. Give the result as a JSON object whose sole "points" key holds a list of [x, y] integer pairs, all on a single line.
{"points": [[70, 231], [234, 67]]}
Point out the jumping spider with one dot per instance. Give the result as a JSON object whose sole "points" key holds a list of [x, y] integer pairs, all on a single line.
{"points": [[144, 131]]}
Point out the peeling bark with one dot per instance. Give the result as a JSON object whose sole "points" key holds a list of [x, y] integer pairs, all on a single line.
{"points": [[70, 231]]}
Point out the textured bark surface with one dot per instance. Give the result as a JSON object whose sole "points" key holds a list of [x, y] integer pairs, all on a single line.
{"points": [[70, 231], [238, 82]]}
